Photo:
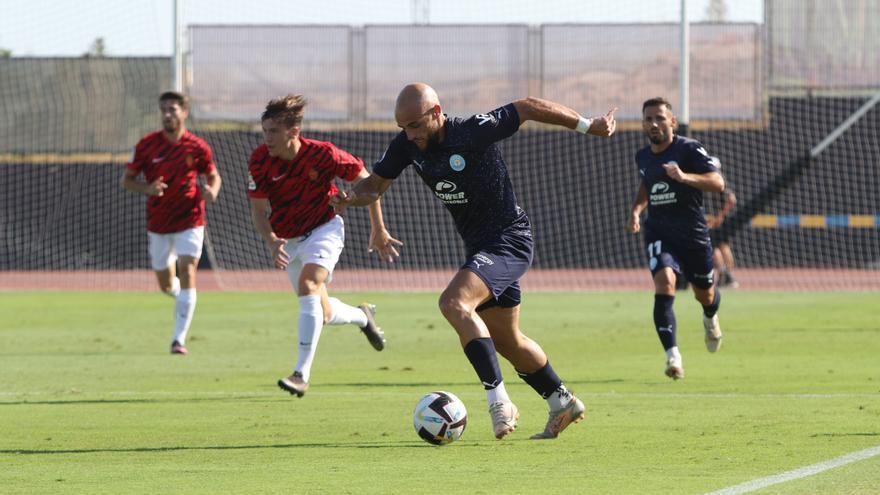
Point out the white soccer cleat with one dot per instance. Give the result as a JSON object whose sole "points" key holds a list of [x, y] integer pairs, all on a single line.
{"points": [[559, 420], [674, 369], [713, 333], [504, 416]]}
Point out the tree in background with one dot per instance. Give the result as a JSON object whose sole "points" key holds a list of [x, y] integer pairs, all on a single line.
{"points": [[716, 11], [97, 49]]}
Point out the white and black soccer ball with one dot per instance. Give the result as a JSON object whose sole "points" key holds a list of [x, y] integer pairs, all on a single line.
{"points": [[440, 418]]}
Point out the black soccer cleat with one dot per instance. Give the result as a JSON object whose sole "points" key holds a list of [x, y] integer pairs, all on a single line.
{"points": [[374, 334]]}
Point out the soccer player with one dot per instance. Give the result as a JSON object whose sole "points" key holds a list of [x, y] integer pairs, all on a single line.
{"points": [[291, 182], [462, 165], [171, 161], [674, 173], [720, 235]]}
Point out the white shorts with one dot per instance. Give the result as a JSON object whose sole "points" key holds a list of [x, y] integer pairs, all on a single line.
{"points": [[322, 247], [165, 248]]}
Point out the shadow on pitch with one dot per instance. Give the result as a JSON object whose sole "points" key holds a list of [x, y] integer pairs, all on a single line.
{"points": [[454, 384], [119, 401], [327, 445]]}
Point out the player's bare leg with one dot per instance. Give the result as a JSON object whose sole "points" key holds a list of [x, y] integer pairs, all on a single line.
{"points": [[363, 316], [458, 303], [530, 362], [710, 299], [185, 303], [664, 320]]}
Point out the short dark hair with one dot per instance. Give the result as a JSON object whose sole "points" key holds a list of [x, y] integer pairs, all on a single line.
{"points": [[180, 98], [287, 109], [656, 101]]}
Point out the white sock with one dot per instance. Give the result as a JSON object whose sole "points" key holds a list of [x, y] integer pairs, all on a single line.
{"points": [[497, 394], [344, 314], [673, 352], [183, 313], [175, 288], [559, 399], [311, 321]]}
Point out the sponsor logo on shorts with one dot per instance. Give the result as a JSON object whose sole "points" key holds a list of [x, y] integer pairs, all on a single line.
{"points": [[480, 260]]}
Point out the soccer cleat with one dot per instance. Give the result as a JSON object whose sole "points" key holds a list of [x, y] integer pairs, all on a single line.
{"points": [[374, 334], [674, 368], [559, 420], [294, 384], [504, 416], [713, 333], [178, 348]]}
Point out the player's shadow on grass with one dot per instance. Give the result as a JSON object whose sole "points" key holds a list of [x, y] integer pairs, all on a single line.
{"points": [[327, 445], [118, 401], [453, 384]]}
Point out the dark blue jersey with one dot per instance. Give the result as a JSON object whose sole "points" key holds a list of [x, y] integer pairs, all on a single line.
{"points": [[466, 172], [675, 210]]}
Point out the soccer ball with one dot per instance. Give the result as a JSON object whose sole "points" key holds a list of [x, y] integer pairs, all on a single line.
{"points": [[440, 418]]}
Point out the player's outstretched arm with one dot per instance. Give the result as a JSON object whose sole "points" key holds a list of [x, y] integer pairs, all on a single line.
{"points": [[550, 112], [260, 209], [365, 192], [708, 182], [381, 241]]}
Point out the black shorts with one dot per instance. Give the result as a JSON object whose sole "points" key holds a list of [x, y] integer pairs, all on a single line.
{"points": [[500, 264], [719, 235], [691, 259]]}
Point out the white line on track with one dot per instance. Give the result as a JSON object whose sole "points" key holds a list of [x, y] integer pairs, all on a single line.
{"points": [[757, 484]]}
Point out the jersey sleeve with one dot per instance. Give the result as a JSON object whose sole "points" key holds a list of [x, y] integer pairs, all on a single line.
{"points": [[138, 158], [395, 159], [255, 179], [348, 166], [488, 128], [206, 163], [699, 160]]}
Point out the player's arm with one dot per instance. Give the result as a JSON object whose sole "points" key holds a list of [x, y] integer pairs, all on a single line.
{"points": [[729, 203], [550, 112], [707, 182], [131, 183], [365, 192], [260, 209], [380, 240], [212, 186], [633, 224]]}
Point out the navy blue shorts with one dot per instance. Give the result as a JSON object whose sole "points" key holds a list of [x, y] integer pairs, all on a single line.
{"points": [[693, 260], [500, 264]]}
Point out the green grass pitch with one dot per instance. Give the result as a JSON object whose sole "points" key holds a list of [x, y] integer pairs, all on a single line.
{"points": [[91, 401]]}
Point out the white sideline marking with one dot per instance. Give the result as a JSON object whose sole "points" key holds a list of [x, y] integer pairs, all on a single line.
{"points": [[750, 486]]}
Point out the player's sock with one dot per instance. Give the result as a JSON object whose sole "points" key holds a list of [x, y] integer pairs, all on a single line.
{"points": [[549, 386], [673, 352], [175, 288], [344, 314], [183, 313], [664, 319], [311, 321], [481, 353], [710, 309]]}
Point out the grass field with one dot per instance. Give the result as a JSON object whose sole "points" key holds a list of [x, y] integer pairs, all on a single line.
{"points": [[91, 402]]}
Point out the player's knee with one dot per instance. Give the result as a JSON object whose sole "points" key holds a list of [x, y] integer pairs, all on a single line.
{"points": [[308, 287], [452, 307]]}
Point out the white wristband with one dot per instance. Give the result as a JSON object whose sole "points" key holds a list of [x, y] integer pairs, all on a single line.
{"points": [[583, 125]]}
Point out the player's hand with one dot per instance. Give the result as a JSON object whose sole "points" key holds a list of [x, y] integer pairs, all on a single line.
{"points": [[674, 172], [279, 255], [604, 126], [341, 200], [714, 221], [633, 225], [157, 187], [384, 245], [209, 194]]}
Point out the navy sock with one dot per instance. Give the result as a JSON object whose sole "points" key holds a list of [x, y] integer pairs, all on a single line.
{"points": [[544, 381], [481, 354], [664, 320], [710, 309]]}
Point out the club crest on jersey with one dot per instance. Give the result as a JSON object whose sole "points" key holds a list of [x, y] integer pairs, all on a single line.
{"points": [[313, 174], [457, 163], [189, 160]]}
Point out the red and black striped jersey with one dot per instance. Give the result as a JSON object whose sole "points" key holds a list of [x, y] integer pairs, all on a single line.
{"points": [[179, 164], [299, 190]]}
